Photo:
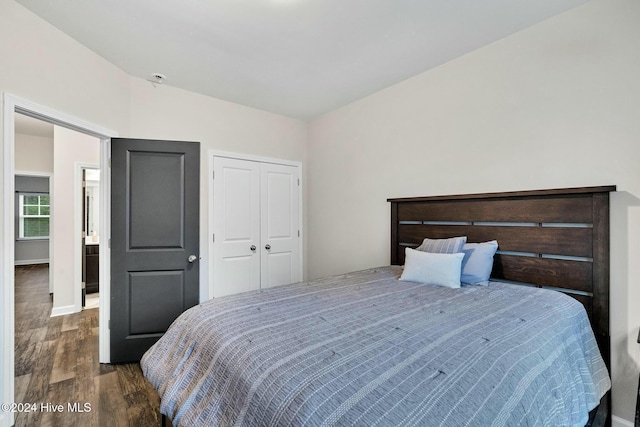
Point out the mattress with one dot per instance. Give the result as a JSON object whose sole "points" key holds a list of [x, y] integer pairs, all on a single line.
{"points": [[367, 349]]}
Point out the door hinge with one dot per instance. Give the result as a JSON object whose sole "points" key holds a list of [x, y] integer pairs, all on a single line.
{"points": [[298, 182], [298, 233], [213, 175], [109, 162], [109, 243], [214, 237], [109, 324]]}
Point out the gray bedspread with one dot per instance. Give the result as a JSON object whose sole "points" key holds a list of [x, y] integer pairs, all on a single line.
{"points": [[366, 349]]}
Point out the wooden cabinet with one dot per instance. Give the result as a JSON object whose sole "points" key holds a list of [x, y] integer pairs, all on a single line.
{"points": [[92, 265]]}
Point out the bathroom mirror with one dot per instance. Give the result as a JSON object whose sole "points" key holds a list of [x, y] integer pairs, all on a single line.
{"points": [[92, 206]]}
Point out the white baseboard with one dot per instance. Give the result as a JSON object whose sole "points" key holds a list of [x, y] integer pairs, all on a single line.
{"points": [[31, 261], [620, 422], [61, 311]]}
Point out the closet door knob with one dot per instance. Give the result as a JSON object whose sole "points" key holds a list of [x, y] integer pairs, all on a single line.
{"points": [[253, 248], [267, 246], [192, 258]]}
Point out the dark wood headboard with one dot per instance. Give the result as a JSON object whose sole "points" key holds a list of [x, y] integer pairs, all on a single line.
{"points": [[547, 238]]}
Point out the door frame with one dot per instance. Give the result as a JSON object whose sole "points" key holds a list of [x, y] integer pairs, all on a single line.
{"points": [[12, 105], [209, 183]]}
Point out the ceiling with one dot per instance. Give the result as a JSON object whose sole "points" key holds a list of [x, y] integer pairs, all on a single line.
{"points": [[299, 58]]}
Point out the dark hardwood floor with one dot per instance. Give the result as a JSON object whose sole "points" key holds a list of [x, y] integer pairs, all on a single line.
{"points": [[57, 363]]}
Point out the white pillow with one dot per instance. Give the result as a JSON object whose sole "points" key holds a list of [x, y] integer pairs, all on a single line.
{"points": [[432, 268]]}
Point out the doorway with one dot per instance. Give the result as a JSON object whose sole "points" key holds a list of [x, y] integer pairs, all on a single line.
{"points": [[90, 238], [11, 106]]}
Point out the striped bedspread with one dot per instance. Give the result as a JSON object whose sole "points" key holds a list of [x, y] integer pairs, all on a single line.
{"points": [[366, 349]]}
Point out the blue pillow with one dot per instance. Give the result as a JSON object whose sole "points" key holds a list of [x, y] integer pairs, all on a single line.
{"points": [[452, 245], [478, 262]]}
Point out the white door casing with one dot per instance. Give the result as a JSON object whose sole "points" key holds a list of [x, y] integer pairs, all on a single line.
{"points": [[255, 224], [12, 105]]}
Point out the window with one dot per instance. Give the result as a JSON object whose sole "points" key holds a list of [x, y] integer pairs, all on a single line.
{"points": [[34, 216]]}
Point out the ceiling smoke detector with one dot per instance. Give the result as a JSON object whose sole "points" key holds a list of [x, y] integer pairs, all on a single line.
{"points": [[157, 78]]}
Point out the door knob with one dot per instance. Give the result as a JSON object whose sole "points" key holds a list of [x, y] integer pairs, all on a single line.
{"points": [[253, 248], [267, 246], [192, 258]]}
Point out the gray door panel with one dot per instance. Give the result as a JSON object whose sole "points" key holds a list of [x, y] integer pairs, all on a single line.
{"points": [[154, 228]]}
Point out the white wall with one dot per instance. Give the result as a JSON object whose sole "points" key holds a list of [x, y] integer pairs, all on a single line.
{"points": [[42, 64], [69, 148], [163, 112], [33, 153], [556, 105]]}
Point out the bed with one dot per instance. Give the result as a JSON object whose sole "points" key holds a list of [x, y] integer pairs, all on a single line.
{"points": [[368, 349]]}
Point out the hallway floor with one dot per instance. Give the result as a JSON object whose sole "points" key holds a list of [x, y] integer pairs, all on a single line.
{"points": [[56, 363]]}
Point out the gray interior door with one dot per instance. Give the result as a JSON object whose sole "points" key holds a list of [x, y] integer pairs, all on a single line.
{"points": [[154, 240]]}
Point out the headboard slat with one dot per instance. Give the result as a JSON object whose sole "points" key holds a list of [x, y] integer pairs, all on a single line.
{"points": [[573, 275], [570, 208], [540, 240]]}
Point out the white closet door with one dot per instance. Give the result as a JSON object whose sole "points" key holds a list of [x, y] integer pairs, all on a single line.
{"points": [[280, 241], [236, 226]]}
